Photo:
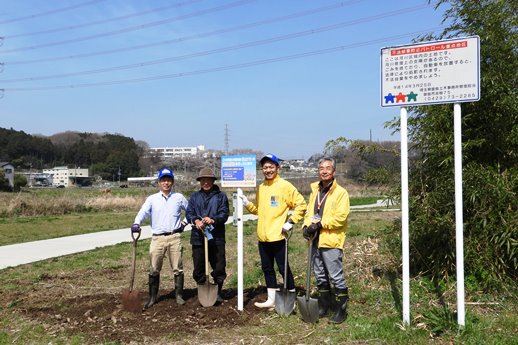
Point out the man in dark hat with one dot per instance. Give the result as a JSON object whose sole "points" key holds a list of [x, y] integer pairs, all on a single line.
{"points": [[164, 208], [207, 212]]}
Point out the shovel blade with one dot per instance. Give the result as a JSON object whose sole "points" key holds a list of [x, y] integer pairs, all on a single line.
{"points": [[131, 301], [308, 309], [284, 302], [207, 294]]}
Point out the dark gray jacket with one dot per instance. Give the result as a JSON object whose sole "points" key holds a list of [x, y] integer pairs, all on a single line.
{"points": [[213, 205]]}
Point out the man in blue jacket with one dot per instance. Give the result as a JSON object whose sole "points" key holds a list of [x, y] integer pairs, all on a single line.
{"points": [[207, 212]]}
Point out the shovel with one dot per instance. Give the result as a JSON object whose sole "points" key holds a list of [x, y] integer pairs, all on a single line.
{"points": [[285, 300], [308, 306], [207, 292], [130, 298]]}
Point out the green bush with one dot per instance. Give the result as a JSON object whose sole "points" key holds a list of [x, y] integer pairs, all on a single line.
{"points": [[492, 210], [19, 181]]}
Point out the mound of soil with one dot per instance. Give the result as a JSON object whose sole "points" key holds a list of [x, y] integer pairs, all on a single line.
{"points": [[101, 317]]}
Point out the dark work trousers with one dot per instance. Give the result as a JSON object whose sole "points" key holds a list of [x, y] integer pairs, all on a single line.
{"points": [[270, 251], [217, 261]]}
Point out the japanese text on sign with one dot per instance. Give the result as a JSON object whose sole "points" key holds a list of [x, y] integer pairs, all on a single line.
{"points": [[434, 72]]}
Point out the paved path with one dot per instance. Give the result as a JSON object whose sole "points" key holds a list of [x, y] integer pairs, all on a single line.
{"points": [[24, 253]]}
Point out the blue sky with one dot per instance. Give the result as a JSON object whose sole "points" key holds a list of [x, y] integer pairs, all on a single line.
{"points": [[284, 76]]}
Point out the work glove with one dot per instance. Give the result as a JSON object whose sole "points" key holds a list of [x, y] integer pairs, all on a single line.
{"points": [[208, 231], [310, 231], [244, 198], [135, 228], [287, 228], [181, 228], [305, 232]]}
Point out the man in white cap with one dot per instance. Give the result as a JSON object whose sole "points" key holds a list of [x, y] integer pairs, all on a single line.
{"points": [[164, 208], [275, 197]]}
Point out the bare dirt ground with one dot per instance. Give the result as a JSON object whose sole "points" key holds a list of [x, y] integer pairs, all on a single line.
{"points": [[100, 317], [86, 303]]}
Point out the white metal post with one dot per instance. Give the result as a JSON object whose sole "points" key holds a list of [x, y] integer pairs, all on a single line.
{"points": [[404, 216], [459, 219], [239, 205]]}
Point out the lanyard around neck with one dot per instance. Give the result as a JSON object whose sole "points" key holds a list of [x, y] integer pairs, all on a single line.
{"points": [[319, 202]]}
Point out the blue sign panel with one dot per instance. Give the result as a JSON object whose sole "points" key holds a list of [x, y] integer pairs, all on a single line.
{"points": [[238, 171]]}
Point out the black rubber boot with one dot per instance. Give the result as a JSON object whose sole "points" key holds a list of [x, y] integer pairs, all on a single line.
{"points": [[341, 298], [178, 286], [154, 283], [220, 298], [324, 300]]}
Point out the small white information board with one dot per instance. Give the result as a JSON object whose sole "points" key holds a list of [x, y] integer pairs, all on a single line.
{"points": [[446, 71], [238, 171]]}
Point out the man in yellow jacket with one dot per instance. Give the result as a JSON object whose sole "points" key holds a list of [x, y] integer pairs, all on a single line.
{"points": [[325, 223], [275, 197]]}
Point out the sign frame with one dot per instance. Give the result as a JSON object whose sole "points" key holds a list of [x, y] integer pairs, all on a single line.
{"points": [[432, 72], [239, 171]]}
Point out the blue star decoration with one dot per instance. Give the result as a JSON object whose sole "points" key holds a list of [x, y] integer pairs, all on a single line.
{"points": [[389, 98], [412, 96]]}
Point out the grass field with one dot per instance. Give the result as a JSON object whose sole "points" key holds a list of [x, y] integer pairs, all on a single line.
{"points": [[46, 289], [38, 214]]}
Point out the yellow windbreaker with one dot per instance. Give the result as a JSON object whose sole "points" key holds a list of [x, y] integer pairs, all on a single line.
{"points": [[274, 199], [334, 218]]}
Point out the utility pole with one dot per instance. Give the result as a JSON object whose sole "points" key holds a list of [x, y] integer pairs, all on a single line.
{"points": [[226, 139]]}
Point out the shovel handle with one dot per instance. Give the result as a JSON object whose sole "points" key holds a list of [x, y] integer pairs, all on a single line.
{"points": [[132, 280], [286, 263], [133, 236], [206, 244], [310, 261]]}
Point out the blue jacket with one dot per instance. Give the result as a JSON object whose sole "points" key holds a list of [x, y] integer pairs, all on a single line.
{"points": [[213, 205]]}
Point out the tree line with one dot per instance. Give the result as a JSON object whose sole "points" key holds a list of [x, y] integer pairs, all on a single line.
{"points": [[104, 155]]}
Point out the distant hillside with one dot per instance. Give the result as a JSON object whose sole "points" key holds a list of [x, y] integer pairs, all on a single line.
{"points": [[104, 154]]}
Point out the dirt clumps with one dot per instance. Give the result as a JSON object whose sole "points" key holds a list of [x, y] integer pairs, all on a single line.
{"points": [[101, 318]]}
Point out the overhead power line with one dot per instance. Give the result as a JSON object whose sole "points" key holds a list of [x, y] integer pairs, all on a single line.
{"points": [[54, 11], [224, 68], [103, 21], [195, 36], [224, 49], [131, 28]]}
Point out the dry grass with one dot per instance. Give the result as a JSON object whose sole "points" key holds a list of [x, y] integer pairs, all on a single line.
{"points": [[27, 204]]}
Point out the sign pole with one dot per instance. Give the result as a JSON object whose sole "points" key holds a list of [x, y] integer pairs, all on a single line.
{"points": [[239, 205], [404, 216], [408, 79], [238, 171], [459, 221]]}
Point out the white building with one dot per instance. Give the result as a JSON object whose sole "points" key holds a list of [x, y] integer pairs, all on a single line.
{"points": [[64, 176], [170, 152], [8, 172]]}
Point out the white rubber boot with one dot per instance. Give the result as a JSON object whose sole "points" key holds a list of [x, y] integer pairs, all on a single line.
{"points": [[270, 302]]}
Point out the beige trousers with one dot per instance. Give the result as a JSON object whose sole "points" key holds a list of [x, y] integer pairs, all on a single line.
{"points": [[166, 246]]}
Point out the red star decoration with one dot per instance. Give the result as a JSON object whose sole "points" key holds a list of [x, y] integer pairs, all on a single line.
{"points": [[400, 97]]}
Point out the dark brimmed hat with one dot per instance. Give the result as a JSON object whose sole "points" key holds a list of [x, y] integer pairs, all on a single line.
{"points": [[206, 172]]}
